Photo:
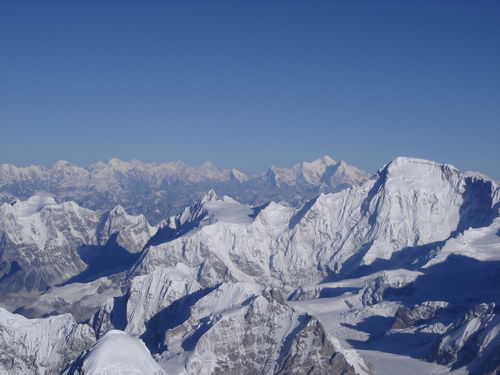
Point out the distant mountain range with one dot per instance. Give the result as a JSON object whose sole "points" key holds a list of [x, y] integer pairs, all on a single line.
{"points": [[158, 190], [396, 274]]}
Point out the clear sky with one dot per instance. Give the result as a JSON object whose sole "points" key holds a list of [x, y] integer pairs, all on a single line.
{"points": [[247, 84]]}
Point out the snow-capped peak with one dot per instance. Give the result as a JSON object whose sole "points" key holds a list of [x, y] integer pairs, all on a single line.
{"points": [[33, 205], [116, 353], [212, 209], [238, 175], [415, 167]]}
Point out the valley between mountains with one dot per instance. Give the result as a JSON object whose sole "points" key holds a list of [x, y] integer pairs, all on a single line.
{"points": [[321, 268]]}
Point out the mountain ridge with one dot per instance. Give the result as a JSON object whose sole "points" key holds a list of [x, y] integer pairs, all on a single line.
{"points": [[162, 189]]}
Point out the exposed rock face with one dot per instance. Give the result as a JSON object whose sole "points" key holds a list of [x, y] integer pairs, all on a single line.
{"points": [[465, 339], [229, 329], [311, 352], [261, 334], [406, 317], [40, 346]]}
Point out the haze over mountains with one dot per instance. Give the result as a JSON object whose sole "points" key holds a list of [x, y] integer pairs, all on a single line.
{"points": [[160, 189], [390, 274]]}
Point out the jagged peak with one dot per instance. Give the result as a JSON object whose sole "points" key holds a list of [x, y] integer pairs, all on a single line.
{"points": [[209, 196]]}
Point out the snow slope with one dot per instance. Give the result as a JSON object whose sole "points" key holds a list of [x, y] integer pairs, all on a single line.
{"points": [[116, 354]]}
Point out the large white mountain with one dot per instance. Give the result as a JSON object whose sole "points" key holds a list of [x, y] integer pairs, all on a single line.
{"points": [[161, 189], [398, 270], [410, 204]]}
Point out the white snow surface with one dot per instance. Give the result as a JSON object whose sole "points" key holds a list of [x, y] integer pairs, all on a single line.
{"points": [[227, 210], [33, 205], [117, 353], [393, 364], [478, 243]]}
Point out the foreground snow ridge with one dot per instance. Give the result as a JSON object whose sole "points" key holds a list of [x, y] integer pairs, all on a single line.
{"points": [[116, 354]]}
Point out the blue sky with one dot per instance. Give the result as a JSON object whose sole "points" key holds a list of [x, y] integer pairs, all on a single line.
{"points": [[247, 84]]}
